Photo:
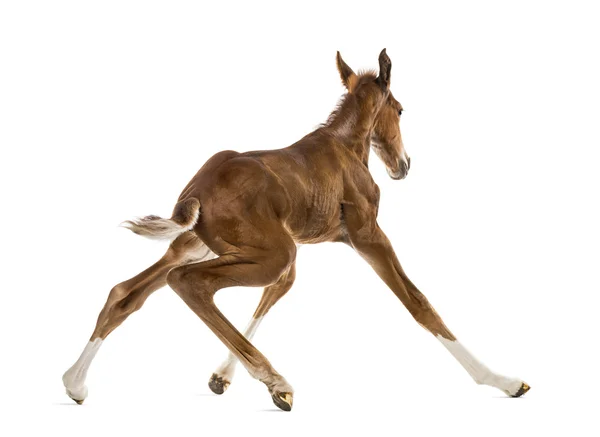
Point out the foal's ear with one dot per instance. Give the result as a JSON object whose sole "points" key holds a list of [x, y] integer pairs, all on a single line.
{"points": [[346, 72], [385, 70]]}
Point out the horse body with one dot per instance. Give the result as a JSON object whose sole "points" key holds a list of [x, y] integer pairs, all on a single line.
{"points": [[239, 220], [302, 188]]}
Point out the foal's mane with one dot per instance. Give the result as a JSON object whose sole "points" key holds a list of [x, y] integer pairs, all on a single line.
{"points": [[361, 77]]}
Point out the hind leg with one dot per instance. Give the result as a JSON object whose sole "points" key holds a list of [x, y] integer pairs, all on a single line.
{"points": [[221, 378], [126, 298], [244, 265]]}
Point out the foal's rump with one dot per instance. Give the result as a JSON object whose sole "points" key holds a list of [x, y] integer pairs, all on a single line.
{"points": [[185, 215]]}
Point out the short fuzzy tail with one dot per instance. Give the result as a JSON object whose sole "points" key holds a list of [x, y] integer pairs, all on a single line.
{"points": [[185, 215]]}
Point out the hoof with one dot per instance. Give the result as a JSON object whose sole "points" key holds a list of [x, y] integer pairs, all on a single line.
{"points": [[283, 401], [217, 384], [78, 395], [78, 401], [522, 390]]}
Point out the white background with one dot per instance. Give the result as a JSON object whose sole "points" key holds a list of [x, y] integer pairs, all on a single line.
{"points": [[107, 109]]}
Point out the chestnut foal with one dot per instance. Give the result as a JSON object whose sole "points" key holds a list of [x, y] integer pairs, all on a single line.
{"points": [[239, 220]]}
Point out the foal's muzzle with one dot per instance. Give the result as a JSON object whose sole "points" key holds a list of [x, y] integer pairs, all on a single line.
{"points": [[403, 167]]}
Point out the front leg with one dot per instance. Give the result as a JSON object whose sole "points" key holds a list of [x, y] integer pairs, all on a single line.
{"points": [[371, 243]]}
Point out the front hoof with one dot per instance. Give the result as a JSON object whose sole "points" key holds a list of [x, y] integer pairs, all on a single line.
{"points": [[217, 384], [522, 390], [283, 401]]}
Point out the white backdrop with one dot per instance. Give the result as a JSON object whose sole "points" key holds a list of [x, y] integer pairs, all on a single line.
{"points": [[107, 109]]}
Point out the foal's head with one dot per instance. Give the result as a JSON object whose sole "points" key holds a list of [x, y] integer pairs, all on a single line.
{"points": [[386, 139]]}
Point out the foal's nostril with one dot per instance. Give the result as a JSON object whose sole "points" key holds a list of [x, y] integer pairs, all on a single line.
{"points": [[408, 166]]}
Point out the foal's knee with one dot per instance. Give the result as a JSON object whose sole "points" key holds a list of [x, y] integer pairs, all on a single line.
{"points": [[426, 316]]}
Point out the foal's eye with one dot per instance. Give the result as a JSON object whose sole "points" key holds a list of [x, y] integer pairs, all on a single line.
{"points": [[399, 112]]}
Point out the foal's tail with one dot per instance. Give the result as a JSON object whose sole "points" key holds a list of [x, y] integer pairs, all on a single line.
{"points": [[185, 215]]}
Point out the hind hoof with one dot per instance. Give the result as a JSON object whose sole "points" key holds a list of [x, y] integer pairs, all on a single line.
{"points": [[217, 384], [283, 401], [522, 390], [77, 397], [77, 394]]}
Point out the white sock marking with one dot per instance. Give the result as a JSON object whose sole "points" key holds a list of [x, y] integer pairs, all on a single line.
{"points": [[479, 371], [74, 378]]}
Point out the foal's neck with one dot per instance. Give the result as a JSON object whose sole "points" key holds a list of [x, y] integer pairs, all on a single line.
{"points": [[352, 126]]}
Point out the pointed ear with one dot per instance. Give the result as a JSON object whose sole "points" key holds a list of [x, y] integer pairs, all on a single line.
{"points": [[385, 70], [346, 72]]}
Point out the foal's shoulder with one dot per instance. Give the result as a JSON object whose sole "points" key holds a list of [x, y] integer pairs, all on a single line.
{"points": [[360, 188]]}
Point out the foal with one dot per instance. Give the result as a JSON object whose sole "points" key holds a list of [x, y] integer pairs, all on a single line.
{"points": [[238, 221]]}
